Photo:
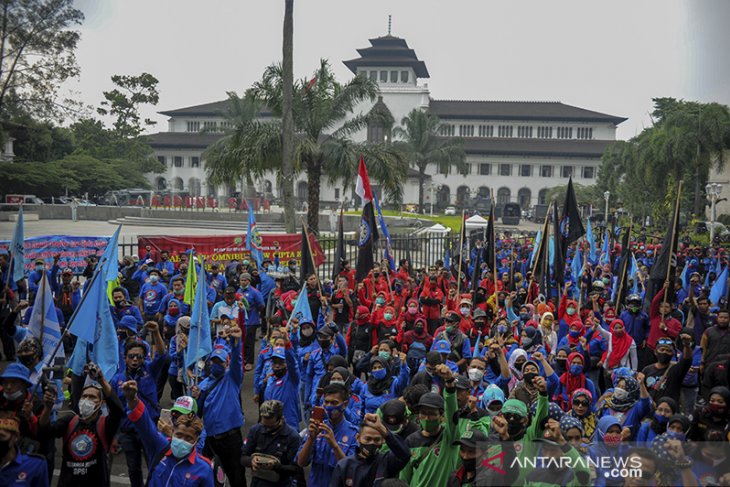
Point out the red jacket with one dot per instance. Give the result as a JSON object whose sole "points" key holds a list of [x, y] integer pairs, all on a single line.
{"points": [[655, 320], [431, 311]]}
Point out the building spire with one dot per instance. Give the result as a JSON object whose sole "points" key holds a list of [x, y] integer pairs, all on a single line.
{"points": [[390, 23]]}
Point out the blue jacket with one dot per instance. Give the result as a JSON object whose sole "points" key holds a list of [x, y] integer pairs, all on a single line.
{"points": [[263, 368], [637, 325], [193, 470], [317, 367], [184, 307], [371, 402], [34, 279], [25, 471], [146, 378], [323, 458], [286, 390], [127, 310], [152, 295], [255, 303], [221, 398], [170, 266]]}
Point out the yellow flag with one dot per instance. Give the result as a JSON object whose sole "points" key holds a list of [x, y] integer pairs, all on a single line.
{"points": [[191, 280]]}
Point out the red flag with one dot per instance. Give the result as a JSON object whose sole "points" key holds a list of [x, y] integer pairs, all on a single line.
{"points": [[310, 84], [368, 228], [362, 185]]}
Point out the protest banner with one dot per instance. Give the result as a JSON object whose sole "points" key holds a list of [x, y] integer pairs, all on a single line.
{"points": [[73, 250]]}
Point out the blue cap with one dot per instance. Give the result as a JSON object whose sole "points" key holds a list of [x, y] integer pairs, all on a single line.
{"points": [[492, 393], [129, 322], [219, 353], [17, 370], [442, 346], [279, 352]]}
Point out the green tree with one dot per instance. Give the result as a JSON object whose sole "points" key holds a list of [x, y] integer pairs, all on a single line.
{"points": [[421, 145], [585, 195], [36, 54], [123, 102], [321, 116], [39, 141], [36, 178]]}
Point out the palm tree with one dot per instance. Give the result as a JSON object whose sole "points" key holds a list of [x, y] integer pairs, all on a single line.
{"points": [[422, 145]]}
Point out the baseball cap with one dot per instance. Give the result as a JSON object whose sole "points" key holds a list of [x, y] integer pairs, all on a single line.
{"points": [[17, 370], [149, 261], [442, 346], [129, 322], [431, 400], [471, 438], [393, 413], [39, 261], [219, 353], [326, 331], [479, 313], [279, 352], [462, 382], [185, 405], [453, 317], [246, 275], [514, 406]]}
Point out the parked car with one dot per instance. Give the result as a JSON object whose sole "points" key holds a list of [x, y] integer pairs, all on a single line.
{"points": [[450, 210], [23, 199]]}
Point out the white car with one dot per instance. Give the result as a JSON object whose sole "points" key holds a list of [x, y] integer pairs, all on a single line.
{"points": [[450, 210]]}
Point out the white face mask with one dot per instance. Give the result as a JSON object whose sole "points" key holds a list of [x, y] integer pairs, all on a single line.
{"points": [[465, 311], [475, 375], [87, 408]]}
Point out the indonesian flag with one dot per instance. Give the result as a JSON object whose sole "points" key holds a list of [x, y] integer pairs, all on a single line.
{"points": [[368, 228]]}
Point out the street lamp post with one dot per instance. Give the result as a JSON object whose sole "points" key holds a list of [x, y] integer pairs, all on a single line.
{"points": [[606, 196], [431, 199], [713, 190]]}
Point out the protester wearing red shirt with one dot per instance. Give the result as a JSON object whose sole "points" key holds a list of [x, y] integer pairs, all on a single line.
{"points": [[431, 299], [661, 323]]}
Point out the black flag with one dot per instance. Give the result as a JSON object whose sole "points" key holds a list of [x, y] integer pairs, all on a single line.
{"points": [[368, 234], [571, 226], [559, 251], [665, 265], [306, 268], [490, 249], [339, 249], [623, 271]]}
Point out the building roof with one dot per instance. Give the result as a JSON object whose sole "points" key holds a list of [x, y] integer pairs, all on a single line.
{"points": [[535, 147], [388, 51], [182, 140], [517, 110], [215, 109]]}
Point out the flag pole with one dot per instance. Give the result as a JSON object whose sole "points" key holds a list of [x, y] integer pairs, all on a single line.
{"points": [[311, 256], [542, 240], [461, 256], [44, 283], [580, 278], [675, 224], [494, 249], [202, 269], [624, 269]]}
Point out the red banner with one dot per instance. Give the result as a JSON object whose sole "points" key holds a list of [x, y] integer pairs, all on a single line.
{"points": [[224, 248]]}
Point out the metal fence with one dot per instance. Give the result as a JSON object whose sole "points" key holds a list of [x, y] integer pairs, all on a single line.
{"points": [[422, 250]]}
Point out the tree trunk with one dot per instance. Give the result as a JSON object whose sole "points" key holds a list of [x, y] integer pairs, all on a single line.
{"points": [[421, 182], [314, 173], [287, 119], [697, 191]]}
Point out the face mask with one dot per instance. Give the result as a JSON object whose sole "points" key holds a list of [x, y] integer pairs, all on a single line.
{"points": [[154, 279], [576, 369], [26, 360], [334, 411], [178, 292], [388, 316], [606, 280], [660, 418], [464, 311], [717, 409], [419, 329], [173, 311], [618, 333], [217, 370], [379, 374], [430, 425], [492, 414], [612, 439], [385, 355], [561, 362], [664, 358], [324, 344], [380, 301], [529, 377], [526, 342], [515, 428], [574, 334], [280, 373], [470, 464], [14, 396], [502, 330], [524, 316], [180, 448], [620, 394], [412, 311], [40, 268], [634, 309], [475, 375], [449, 328], [339, 382], [570, 311], [307, 332], [367, 452], [86, 408]]}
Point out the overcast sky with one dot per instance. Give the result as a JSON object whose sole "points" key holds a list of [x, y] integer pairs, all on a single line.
{"points": [[610, 56]]}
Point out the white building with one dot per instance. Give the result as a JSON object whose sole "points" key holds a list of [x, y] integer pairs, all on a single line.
{"points": [[517, 149]]}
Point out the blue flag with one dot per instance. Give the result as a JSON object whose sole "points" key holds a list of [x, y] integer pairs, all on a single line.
{"points": [[94, 327], [383, 227], [605, 253], [712, 268], [110, 267], [576, 270], [634, 274], [684, 277], [538, 237], [447, 258], [17, 249], [253, 239], [199, 342], [592, 257], [44, 323], [719, 289], [301, 310]]}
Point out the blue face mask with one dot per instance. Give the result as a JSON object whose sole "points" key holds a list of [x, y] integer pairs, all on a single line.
{"points": [[379, 374], [501, 329], [574, 334], [380, 300], [660, 419], [576, 369], [334, 410], [180, 448], [217, 370], [524, 316]]}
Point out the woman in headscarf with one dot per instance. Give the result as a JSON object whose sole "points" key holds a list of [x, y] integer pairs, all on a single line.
{"points": [[524, 389], [516, 361], [628, 402], [666, 407], [341, 375], [412, 313], [572, 379], [572, 430], [674, 467], [560, 360], [381, 386], [531, 339], [573, 338], [678, 426], [607, 444], [550, 338], [582, 410], [623, 348], [713, 417]]}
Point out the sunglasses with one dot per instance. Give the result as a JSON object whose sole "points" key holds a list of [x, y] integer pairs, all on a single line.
{"points": [[580, 403], [137, 356]]}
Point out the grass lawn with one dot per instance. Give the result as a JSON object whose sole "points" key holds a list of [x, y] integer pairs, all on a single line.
{"points": [[451, 221]]}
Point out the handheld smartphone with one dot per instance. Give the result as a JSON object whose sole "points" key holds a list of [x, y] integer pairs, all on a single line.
{"points": [[165, 415], [318, 413]]}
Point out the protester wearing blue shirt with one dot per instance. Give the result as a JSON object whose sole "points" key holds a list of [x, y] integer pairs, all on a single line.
{"points": [[152, 293], [16, 468], [122, 307], [317, 363], [255, 308], [283, 383], [34, 278]]}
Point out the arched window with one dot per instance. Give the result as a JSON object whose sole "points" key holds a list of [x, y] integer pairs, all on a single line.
{"points": [[462, 195], [483, 192], [503, 196], [194, 187], [302, 191], [177, 184], [524, 198], [444, 196], [542, 197], [161, 183]]}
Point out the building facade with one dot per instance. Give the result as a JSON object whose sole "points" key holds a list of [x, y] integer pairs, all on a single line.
{"points": [[516, 150]]}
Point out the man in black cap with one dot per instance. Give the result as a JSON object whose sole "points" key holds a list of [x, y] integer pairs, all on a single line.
{"points": [[468, 408], [370, 465], [396, 420], [428, 376], [473, 446]]}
